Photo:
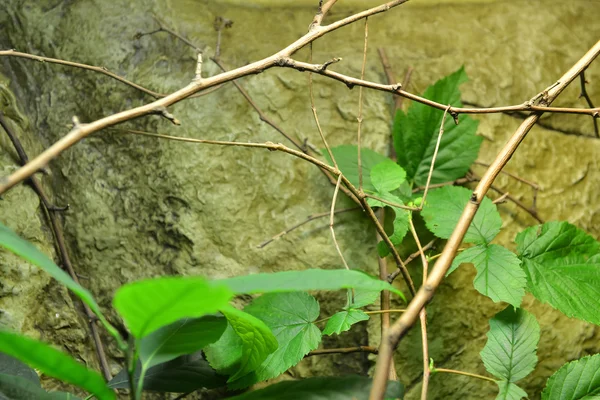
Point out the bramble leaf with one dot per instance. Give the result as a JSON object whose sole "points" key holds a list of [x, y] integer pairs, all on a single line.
{"points": [[330, 388], [499, 275], [149, 304], [310, 279], [343, 320], [291, 318], [346, 157], [362, 297], [579, 379], [185, 336], [509, 391], [54, 363], [415, 135], [510, 351], [562, 265], [444, 208], [387, 176]]}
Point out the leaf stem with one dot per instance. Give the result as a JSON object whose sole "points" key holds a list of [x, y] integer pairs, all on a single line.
{"points": [[453, 371]]}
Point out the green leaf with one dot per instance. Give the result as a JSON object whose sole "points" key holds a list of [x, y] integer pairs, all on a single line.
{"points": [[444, 208], [343, 320], [310, 279], [510, 352], [185, 336], [509, 391], [257, 340], [415, 135], [499, 275], [387, 176], [54, 364], [579, 379], [338, 388], [181, 375], [401, 221], [562, 264], [346, 157], [12, 242], [291, 318], [13, 366], [147, 305], [226, 353], [362, 297], [17, 388]]}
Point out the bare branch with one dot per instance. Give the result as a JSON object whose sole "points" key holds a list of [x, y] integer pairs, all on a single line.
{"points": [[360, 106], [585, 95], [331, 217]]}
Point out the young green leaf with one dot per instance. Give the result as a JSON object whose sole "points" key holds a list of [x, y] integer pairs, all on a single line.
{"points": [[150, 304], [257, 340], [510, 352], [338, 388], [12, 242], [444, 208], [291, 317], [346, 157], [415, 135], [54, 364], [185, 336], [509, 391], [181, 375], [499, 275], [18, 388], [562, 265], [13, 366], [579, 379], [310, 279], [343, 320], [387, 176]]}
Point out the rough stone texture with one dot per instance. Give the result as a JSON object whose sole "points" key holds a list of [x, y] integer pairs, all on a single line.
{"points": [[141, 207]]}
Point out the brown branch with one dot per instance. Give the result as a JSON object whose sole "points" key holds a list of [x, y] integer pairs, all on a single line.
{"points": [[322, 12], [360, 106], [587, 98], [426, 292], [56, 226], [345, 350], [534, 185], [311, 217], [391, 79]]}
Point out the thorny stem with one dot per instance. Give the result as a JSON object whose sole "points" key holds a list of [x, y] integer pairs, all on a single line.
{"points": [[426, 292], [360, 106]]}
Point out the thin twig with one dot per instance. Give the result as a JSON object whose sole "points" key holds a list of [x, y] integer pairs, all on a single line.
{"points": [[311, 217], [391, 79], [437, 147], [423, 315], [399, 329], [322, 12], [453, 371], [360, 106], [56, 226], [391, 203], [587, 98], [515, 177], [411, 257], [345, 350], [331, 218]]}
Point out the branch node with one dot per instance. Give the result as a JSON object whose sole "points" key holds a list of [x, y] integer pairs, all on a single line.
{"points": [[326, 64], [396, 87], [162, 111]]}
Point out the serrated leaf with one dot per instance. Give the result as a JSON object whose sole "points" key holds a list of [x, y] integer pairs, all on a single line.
{"points": [[330, 388], [444, 208], [13, 366], [257, 340], [226, 353], [310, 279], [54, 364], [22, 248], [387, 176], [415, 135], [346, 157], [579, 379], [562, 265], [510, 352], [509, 391], [499, 275], [362, 297], [181, 375], [291, 318], [185, 336], [147, 305], [343, 320], [14, 387]]}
